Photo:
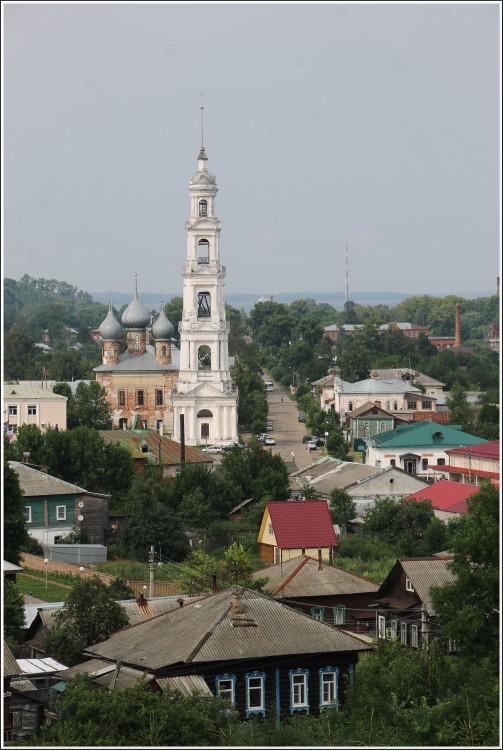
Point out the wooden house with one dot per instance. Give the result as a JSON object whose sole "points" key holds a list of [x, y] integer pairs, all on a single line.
{"points": [[292, 528], [325, 592], [259, 655]]}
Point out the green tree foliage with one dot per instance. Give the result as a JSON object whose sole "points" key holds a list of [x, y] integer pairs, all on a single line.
{"points": [[134, 717], [460, 412], [13, 612], [488, 416], [90, 615], [174, 310], [342, 506], [19, 354], [14, 530], [119, 590], [468, 608], [400, 523], [89, 407], [252, 403], [256, 472]]}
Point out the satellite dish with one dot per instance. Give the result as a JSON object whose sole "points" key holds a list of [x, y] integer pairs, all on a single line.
{"points": [[80, 518], [81, 504]]}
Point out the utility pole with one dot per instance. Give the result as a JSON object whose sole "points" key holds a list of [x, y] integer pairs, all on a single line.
{"points": [[151, 561]]}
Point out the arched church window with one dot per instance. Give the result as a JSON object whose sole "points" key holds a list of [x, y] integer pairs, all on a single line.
{"points": [[203, 208], [203, 251], [204, 357], [137, 343], [204, 305], [204, 413], [163, 351]]}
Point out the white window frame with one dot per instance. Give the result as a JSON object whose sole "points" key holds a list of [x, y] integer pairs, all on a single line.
{"points": [[27, 514], [62, 516], [271, 530], [31, 410], [299, 690], [414, 636], [318, 613], [394, 629], [381, 626], [226, 687], [329, 683], [12, 411], [403, 633], [339, 616], [408, 584], [255, 681]]}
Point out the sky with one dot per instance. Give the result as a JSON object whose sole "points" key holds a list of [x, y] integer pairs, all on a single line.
{"points": [[372, 125]]}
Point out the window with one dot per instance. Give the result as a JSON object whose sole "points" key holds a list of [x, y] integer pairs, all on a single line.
{"points": [[271, 530], [441, 462], [12, 411], [403, 633], [61, 512], [203, 208], [204, 357], [163, 351], [340, 615], [226, 687], [204, 305], [424, 463], [395, 405], [140, 398], [32, 410], [122, 398], [123, 423], [381, 626], [318, 613], [350, 406], [203, 251], [411, 404], [255, 693], [392, 462], [408, 585], [382, 426], [394, 628], [426, 404], [205, 430], [414, 639], [299, 699], [27, 513], [159, 400], [329, 679]]}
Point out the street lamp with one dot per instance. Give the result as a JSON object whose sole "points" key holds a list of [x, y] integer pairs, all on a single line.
{"points": [[81, 570], [46, 562]]}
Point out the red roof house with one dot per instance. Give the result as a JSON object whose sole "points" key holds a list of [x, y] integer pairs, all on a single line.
{"points": [[293, 528], [446, 496], [474, 464]]}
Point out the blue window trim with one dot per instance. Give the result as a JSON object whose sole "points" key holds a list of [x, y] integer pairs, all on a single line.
{"points": [[329, 670], [255, 711], [314, 610], [340, 607], [226, 677], [292, 673]]}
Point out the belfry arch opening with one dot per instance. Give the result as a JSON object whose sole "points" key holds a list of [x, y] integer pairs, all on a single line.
{"points": [[203, 208], [204, 357], [204, 305], [203, 251]]}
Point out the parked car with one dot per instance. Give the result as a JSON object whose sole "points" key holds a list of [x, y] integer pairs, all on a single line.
{"points": [[312, 444], [213, 449], [307, 438], [302, 417], [261, 437], [269, 440], [233, 445], [269, 426], [320, 441]]}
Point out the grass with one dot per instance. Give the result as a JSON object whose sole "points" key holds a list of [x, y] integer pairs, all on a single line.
{"points": [[372, 570], [35, 585]]}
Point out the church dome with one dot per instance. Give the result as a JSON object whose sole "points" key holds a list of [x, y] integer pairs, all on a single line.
{"points": [[136, 314], [162, 329], [110, 329]]}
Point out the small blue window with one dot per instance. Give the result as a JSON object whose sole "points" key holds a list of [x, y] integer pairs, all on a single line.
{"points": [[299, 690], [225, 685], [255, 693], [340, 615], [318, 613], [329, 687]]}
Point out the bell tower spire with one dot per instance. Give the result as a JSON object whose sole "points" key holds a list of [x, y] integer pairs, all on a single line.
{"points": [[206, 395]]}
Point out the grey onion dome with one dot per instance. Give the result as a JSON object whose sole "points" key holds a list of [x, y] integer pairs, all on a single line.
{"points": [[162, 329], [136, 314], [111, 329]]}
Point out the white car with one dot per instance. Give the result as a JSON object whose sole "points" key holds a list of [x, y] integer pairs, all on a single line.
{"points": [[269, 440], [213, 449], [312, 444]]}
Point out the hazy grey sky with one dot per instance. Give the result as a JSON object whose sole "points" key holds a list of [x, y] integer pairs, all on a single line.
{"points": [[375, 125]]}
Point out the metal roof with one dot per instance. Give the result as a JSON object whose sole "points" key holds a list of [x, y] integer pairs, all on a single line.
{"points": [[422, 435], [39, 666], [170, 450], [35, 483], [208, 631], [425, 572], [373, 386], [489, 450], [302, 523], [325, 475], [446, 495], [15, 391], [9, 567], [302, 577], [142, 363]]}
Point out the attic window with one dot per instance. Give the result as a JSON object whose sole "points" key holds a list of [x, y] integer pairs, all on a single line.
{"points": [[408, 585], [438, 435]]}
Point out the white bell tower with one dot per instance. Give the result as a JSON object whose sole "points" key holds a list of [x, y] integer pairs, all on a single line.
{"points": [[205, 394]]}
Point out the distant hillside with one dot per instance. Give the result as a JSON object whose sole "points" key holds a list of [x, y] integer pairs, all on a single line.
{"points": [[247, 301]]}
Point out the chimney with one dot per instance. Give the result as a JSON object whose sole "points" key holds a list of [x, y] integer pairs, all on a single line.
{"points": [[237, 604], [320, 566], [26, 457], [457, 331]]}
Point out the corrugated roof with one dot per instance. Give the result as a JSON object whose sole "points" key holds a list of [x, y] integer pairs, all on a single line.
{"points": [[207, 631], [10, 666], [35, 483], [301, 577], [421, 435], [372, 386], [188, 685], [27, 391], [143, 363], [425, 573], [39, 666], [329, 473], [9, 567], [23, 686], [490, 450], [447, 495], [302, 523], [170, 449]]}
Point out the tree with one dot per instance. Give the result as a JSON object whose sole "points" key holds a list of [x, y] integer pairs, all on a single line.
{"points": [[400, 523], [89, 407], [14, 530], [460, 412], [13, 612], [119, 590], [257, 473], [468, 608], [90, 615], [342, 506], [19, 353]]}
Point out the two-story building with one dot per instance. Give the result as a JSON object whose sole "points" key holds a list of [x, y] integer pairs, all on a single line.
{"points": [[25, 404]]}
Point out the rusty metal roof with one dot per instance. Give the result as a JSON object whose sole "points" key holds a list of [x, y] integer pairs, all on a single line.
{"points": [[301, 577], [206, 631], [154, 443]]}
